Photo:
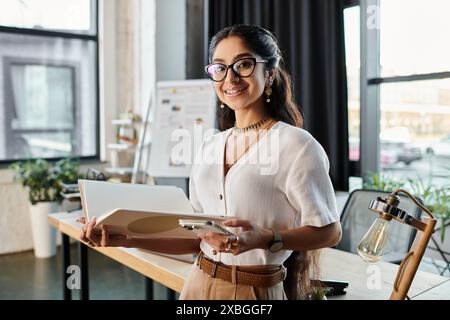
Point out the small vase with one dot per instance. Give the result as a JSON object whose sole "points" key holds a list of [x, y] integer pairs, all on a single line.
{"points": [[44, 235]]}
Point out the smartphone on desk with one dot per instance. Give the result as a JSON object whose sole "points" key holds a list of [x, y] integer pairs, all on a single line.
{"points": [[203, 226]]}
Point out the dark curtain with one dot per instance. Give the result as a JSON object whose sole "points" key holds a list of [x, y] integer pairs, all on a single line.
{"points": [[311, 37]]}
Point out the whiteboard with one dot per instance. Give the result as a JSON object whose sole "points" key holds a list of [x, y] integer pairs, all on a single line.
{"points": [[185, 113]]}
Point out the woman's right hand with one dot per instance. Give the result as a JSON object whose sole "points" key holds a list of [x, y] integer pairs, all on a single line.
{"points": [[96, 237]]}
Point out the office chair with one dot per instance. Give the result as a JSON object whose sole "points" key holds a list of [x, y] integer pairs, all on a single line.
{"points": [[356, 219]]}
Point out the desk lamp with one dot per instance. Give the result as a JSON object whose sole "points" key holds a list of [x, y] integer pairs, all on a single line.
{"points": [[372, 245]]}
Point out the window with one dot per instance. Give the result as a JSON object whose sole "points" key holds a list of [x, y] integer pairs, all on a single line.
{"points": [[406, 81], [415, 129], [414, 37], [414, 94], [75, 16], [48, 88]]}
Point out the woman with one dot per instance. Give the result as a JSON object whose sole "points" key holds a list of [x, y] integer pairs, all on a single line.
{"points": [[284, 207]]}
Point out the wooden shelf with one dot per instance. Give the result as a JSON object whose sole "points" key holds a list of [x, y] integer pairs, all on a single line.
{"points": [[120, 170], [121, 146], [120, 122]]}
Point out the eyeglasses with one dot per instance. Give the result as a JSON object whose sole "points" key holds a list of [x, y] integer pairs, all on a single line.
{"points": [[242, 68]]}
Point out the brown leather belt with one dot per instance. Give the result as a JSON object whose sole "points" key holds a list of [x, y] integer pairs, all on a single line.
{"points": [[255, 276]]}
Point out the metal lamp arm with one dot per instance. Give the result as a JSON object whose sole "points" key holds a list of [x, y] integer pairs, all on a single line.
{"points": [[415, 201]]}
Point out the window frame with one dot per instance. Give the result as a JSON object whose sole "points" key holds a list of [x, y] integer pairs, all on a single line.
{"points": [[64, 35]]}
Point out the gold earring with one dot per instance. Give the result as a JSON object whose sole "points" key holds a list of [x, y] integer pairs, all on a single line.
{"points": [[268, 93]]}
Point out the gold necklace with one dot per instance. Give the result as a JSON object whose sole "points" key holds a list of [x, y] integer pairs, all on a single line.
{"points": [[253, 126], [247, 146]]}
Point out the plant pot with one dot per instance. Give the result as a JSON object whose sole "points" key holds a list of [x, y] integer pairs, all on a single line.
{"points": [[44, 235]]}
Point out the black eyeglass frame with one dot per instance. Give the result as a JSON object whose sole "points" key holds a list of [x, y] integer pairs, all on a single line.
{"points": [[227, 67]]}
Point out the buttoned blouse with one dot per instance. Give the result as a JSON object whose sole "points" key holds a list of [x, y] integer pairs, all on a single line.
{"points": [[280, 183]]}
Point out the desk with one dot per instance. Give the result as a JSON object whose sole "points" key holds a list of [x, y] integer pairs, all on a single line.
{"points": [[439, 292], [335, 265], [346, 266]]}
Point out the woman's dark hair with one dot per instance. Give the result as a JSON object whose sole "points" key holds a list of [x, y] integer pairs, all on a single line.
{"points": [[301, 266], [261, 42]]}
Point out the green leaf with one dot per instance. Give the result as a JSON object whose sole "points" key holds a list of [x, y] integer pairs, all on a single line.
{"points": [[435, 198], [43, 179]]}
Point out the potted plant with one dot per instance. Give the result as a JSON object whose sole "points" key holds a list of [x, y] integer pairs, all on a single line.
{"points": [[43, 181], [318, 293]]}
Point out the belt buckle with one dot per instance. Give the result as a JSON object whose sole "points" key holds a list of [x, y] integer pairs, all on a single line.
{"points": [[213, 269], [200, 257]]}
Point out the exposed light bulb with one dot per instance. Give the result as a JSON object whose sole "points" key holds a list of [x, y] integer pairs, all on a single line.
{"points": [[372, 245]]}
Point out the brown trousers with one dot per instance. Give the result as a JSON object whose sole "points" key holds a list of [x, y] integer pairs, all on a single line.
{"points": [[201, 286]]}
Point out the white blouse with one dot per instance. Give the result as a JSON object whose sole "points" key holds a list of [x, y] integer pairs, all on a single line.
{"points": [[281, 183]]}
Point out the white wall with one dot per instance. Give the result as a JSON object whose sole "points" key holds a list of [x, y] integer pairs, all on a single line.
{"points": [[145, 53], [170, 39], [108, 73], [171, 52], [15, 229]]}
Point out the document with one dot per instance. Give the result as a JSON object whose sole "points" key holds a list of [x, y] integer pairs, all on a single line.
{"points": [[139, 210]]}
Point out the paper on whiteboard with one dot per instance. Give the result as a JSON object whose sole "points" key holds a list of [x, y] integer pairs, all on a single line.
{"points": [[181, 109]]}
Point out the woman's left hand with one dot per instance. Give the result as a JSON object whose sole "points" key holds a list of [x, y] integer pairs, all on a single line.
{"points": [[251, 237]]}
